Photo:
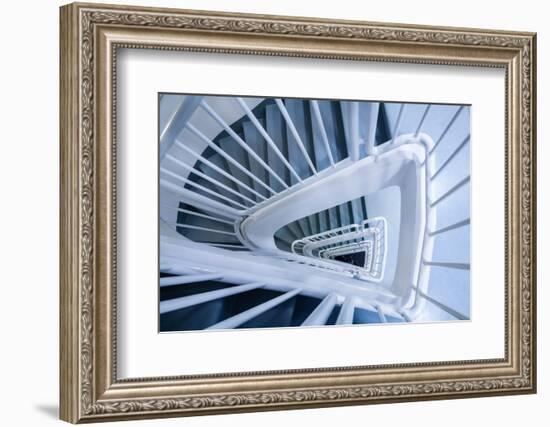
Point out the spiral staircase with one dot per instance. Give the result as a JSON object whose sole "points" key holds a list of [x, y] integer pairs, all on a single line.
{"points": [[291, 212]]}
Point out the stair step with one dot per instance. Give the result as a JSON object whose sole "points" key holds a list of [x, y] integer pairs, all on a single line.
{"points": [[344, 215], [322, 159], [297, 158], [333, 217], [199, 221], [218, 161], [294, 230], [285, 235], [357, 211], [255, 141], [332, 119], [323, 219], [231, 147], [279, 316], [283, 244], [275, 127]]}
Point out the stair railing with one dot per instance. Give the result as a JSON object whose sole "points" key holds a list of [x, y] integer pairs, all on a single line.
{"points": [[232, 209], [372, 233]]}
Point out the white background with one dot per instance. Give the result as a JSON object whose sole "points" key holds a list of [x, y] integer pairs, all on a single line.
{"points": [[145, 353], [29, 171]]}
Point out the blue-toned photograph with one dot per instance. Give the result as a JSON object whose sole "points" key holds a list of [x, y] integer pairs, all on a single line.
{"points": [[286, 212]]}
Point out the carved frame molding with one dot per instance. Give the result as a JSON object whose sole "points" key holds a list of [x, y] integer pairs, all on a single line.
{"points": [[90, 37]]}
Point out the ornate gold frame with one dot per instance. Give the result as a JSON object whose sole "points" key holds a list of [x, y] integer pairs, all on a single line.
{"points": [[90, 36]]}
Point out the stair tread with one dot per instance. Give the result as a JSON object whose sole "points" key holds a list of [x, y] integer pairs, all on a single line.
{"points": [[256, 142], [274, 127]]}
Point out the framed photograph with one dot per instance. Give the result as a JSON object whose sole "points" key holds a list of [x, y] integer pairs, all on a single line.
{"points": [[267, 212]]}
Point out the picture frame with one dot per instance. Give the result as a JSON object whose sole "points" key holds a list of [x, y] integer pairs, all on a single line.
{"points": [[92, 36]]}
